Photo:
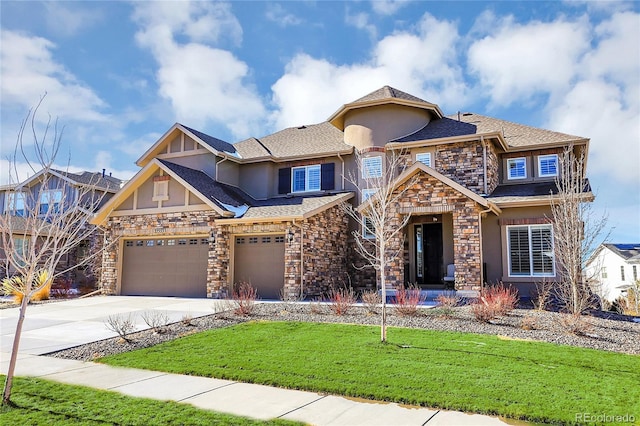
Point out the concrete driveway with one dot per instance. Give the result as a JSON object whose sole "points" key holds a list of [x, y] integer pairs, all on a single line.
{"points": [[60, 325]]}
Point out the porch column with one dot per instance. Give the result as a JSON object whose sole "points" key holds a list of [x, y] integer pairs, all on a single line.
{"points": [[292, 261], [218, 263], [466, 247], [395, 268]]}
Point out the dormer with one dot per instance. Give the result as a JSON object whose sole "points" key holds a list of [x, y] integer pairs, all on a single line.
{"points": [[381, 116]]}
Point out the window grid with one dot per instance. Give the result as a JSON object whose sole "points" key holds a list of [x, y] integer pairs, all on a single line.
{"points": [[266, 240], [305, 178], [635, 273], [548, 165], [279, 239], [517, 168], [253, 240], [622, 273], [604, 272], [15, 204], [371, 167], [50, 201], [424, 158]]}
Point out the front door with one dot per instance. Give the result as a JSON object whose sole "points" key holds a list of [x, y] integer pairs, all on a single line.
{"points": [[428, 254]]}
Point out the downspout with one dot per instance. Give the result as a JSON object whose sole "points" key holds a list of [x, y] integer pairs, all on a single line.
{"points": [[342, 161], [481, 248], [293, 222], [217, 164], [484, 164]]}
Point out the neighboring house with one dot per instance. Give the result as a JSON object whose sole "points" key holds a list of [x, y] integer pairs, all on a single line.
{"points": [[64, 190], [613, 268], [203, 214]]}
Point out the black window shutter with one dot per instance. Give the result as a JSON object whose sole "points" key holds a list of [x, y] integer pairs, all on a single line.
{"points": [[327, 176], [284, 180]]}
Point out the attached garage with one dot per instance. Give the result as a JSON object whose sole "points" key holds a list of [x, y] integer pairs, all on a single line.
{"points": [[165, 267], [259, 260]]}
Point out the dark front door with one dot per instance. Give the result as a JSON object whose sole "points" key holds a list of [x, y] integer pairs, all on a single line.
{"points": [[428, 243]]}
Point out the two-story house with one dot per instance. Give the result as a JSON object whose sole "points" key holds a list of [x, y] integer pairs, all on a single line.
{"points": [[614, 268], [50, 193], [203, 214]]}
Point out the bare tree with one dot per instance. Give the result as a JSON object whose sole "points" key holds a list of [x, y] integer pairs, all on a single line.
{"points": [[577, 230], [377, 218], [42, 227]]}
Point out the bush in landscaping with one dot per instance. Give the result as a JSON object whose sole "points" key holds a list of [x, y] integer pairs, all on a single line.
{"points": [[446, 301], [62, 288], [156, 320], [574, 323], [407, 300], [371, 299], [120, 324], [341, 300], [494, 301], [245, 296]]}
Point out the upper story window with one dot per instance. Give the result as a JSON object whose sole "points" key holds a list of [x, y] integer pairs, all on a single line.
{"points": [[160, 188], [368, 230], [604, 272], [622, 273], [14, 204], [517, 168], [371, 167], [424, 158], [530, 250], [548, 165], [50, 201], [305, 178]]}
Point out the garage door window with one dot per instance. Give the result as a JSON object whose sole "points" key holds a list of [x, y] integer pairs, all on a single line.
{"points": [[139, 243], [253, 240], [171, 242]]}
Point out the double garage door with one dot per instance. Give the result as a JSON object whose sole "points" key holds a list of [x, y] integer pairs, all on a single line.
{"points": [[178, 266], [165, 267]]}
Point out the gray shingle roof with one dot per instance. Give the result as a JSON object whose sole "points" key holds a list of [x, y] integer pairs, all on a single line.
{"points": [[215, 143], [215, 191], [629, 252], [314, 139], [388, 92], [516, 135], [528, 191], [96, 179], [288, 207]]}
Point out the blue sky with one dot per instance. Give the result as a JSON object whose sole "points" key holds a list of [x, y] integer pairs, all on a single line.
{"points": [[119, 74]]}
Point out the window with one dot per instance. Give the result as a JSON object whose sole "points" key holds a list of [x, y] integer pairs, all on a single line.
{"points": [[517, 168], [193, 241], [368, 230], [21, 250], [635, 273], [150, 243], [622, 273], [129, 243], [15, 204], [306, 178], [182, 242], [239, 240], [530, 250], [171, 242], [159, 242], [548, 165], [604, 272], [266, 240], [160, 188], [371, 167], [424, 158], [139, 243], [279, 239], [50, 201], [253, 240]]}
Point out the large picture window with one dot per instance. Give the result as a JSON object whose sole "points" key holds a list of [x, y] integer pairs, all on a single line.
{"points": [[530, 250], [50, 201], [305, 179]]}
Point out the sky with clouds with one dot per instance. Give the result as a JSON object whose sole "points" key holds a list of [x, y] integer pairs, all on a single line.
{"points": [[118, 74]]}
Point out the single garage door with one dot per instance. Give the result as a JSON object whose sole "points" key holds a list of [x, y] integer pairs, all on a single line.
{"points": [[259, 260], [165, 267]]}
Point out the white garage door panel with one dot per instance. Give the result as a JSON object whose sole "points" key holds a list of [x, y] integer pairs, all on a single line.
{"points": [[165, 267]]}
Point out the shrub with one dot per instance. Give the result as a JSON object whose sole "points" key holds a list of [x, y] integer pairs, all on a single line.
{"points": [[61, 288], [341, 300], [17, 288], [574, 324], [528, 323], [371, 299], [541, 296], [446, 301], [187, 320], [120, 324], [494, 301], [156, 320], [407, 300], [315, 308], [245, 296], [631, 303]]}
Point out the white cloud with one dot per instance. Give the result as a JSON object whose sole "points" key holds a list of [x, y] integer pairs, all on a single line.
{"points": [[361, 21], [66, 21], [276, 13], [421, 62], [29, 71], [203, 84], [516, 62], [387, 7]]}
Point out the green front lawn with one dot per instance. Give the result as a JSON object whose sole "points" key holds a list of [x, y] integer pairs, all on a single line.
{"points": [[458, 371], [41, 402]]}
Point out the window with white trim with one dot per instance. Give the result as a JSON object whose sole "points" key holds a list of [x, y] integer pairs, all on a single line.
{"points": [[424, 158], [371, 167], [622, 273], [14, 204], [305, 178], [604, 272], [517, 168], [160, 188], [50, 201], [368, 230], [530, 251], [548, 165]]}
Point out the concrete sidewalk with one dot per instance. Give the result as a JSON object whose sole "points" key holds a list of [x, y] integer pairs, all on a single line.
{"points": [[54, 326], [242, 399]]}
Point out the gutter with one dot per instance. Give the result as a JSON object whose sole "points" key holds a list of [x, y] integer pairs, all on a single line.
{"points": [[342, 161], [217, 164], [484, 164]]}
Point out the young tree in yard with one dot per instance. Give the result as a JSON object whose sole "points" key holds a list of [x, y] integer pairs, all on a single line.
{"points": [[52, 220], [378, 222], [577, 231]]}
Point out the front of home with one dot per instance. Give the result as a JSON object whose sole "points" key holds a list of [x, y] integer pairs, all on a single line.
{"points": [[614, 268], [203, 215]]}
